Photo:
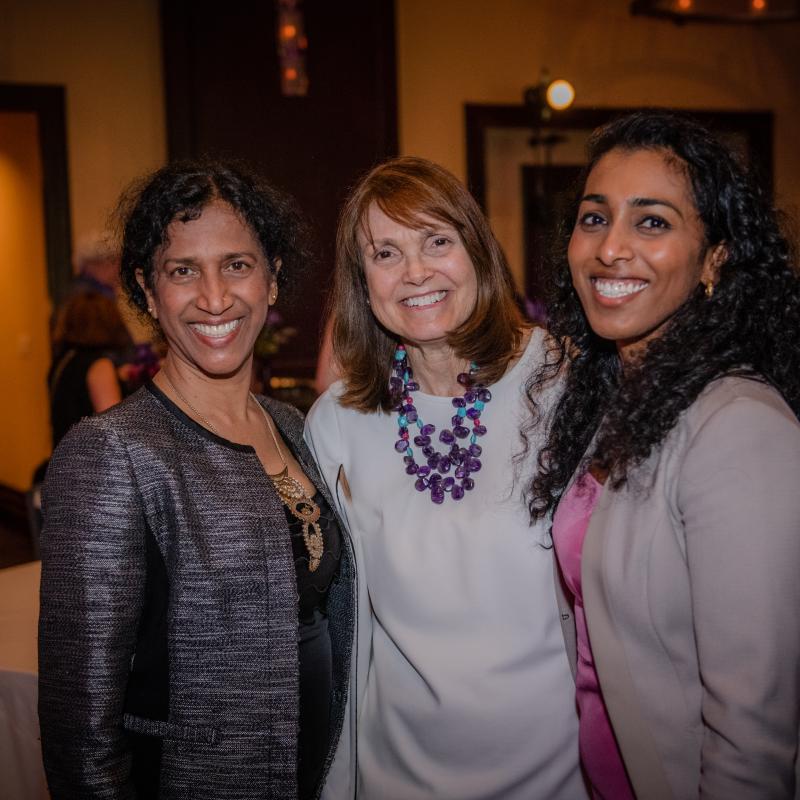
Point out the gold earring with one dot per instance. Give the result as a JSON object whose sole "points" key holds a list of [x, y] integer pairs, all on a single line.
{"points": [[709, 289]]}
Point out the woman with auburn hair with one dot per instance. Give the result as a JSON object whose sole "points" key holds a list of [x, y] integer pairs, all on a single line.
{"points": [[89, 340], [672, 466], [461, 686]]}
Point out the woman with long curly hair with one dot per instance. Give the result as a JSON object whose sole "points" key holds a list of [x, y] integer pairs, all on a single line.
{"points": [[672, 465]]}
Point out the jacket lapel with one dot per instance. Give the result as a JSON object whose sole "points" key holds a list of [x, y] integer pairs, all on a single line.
{"points": [[636, 744]]}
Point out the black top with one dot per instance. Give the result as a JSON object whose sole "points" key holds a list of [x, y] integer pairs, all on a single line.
{"points": [[312, 587], [314, 645], [69, 394]]}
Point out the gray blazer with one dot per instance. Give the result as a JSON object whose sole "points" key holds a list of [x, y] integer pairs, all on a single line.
{"points": [[691, 582], [143, 488]]}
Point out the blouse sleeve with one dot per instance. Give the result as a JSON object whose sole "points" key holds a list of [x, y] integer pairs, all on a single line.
{"points": [[739, 499], [324, 440], [93, 576]]}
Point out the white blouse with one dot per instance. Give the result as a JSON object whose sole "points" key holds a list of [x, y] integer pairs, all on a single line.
{"points": [[463, 689]]}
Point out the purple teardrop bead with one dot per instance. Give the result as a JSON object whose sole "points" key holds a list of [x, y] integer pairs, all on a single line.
{"points": [[446, 436], [437, 497], [468, 484], [484, 395], [422, 441], [435, 479], [459, 402], [474, 465], [420, 484], [461, 431], [411, 386], [457, 493], [411, 414], [427, 430], [470, 396], [433, 461], [423, 471], [444, 465], [463, 378], [428, 451], [412, 469], [479, 430], [475, 450], [401, 445], [448, 483], [472, 413]]}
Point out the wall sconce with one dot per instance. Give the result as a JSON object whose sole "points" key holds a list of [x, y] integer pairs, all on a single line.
{"points": [[548, 96], [753, 11]]}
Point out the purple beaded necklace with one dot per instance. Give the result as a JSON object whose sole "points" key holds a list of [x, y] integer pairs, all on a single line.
{"points": [[433, 475]]}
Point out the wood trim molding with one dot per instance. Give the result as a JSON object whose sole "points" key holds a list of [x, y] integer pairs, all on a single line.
{"points": [[757, 125]]}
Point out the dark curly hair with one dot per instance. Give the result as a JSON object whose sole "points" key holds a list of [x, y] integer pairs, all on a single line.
{"points": [[180, 191], [750, 326]]}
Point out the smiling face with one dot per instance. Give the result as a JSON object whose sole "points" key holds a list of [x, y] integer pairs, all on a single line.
{"points": [[421, 281], [638, 250], [212, 289]]}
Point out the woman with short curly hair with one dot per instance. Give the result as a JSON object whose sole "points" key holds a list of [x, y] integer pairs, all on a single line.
{"points": [[671, 468], [190, 549]]}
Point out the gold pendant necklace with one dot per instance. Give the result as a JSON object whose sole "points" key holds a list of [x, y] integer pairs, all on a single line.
{"points": [[189, 405], [290, 491], [294, 497]]}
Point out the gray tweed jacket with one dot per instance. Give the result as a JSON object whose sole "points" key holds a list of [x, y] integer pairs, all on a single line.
{"points": [[143, 488]]}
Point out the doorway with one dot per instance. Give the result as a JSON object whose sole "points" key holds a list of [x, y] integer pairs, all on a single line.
{"points": [[34, 274]]}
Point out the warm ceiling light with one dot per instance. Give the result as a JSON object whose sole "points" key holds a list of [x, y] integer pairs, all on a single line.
{"points": [[744, 11], [288, 31], [560, 94]]}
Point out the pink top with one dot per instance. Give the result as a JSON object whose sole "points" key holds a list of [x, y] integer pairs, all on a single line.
{"points": [[600, 755]]}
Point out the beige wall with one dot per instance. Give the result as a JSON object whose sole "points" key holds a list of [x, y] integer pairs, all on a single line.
{"points": [[24, 338], [452, 52], [107, 53]]}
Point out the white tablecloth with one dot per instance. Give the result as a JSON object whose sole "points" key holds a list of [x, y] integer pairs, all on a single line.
{"points": [[21, 773]]}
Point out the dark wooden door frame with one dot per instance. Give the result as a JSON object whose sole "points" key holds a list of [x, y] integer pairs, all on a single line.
{"points": [[48, 103], [756, 125]]}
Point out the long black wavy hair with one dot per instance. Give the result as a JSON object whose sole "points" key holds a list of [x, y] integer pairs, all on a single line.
{"points": [[750, 326], [180, 191]]}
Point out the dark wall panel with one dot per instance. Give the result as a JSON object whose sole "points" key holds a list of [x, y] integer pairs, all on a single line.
{"points": [[224, 98]]}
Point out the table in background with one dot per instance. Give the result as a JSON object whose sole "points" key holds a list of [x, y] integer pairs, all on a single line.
{"points": [[20, 749]]}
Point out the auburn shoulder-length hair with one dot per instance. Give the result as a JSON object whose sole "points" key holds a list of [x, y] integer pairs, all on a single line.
{"points": [[90, 319], [408, 190]]}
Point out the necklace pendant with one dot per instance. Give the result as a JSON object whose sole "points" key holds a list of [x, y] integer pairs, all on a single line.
{"points": [[314, 544], [300, 505]]}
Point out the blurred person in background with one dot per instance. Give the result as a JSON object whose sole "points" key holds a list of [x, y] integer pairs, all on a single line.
{"points": [[90, 342]]}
